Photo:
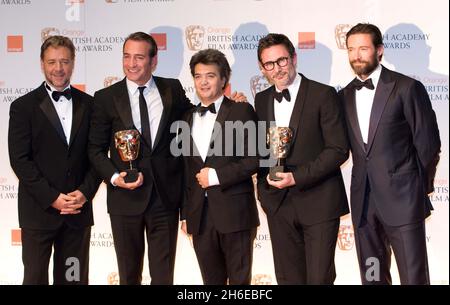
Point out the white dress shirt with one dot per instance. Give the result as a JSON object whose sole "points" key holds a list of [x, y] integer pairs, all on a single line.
{"points": [[283, 110], [63, 108], [364, 101], [154, 106], [202, 128]]}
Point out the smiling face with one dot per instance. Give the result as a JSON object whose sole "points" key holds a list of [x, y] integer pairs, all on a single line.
{"points": [[281, 77], [57, 65], [209, 85], [363, 55], [137, 63]]}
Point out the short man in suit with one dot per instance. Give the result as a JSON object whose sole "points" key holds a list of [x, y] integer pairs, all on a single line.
{"points": [[48, 136], [303, 208], [220, 208], [395, 145]]}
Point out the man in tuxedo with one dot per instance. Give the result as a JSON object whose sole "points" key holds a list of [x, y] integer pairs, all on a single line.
{"points": [[304, 207], [48, 136], [395, 145], [220, 208], [149, 205]]}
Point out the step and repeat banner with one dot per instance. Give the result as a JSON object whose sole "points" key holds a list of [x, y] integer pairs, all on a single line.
{"points": [[416, 43]]}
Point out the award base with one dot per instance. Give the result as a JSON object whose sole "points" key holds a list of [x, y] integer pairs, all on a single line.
{"points": [[274, 170], [132, 175]]}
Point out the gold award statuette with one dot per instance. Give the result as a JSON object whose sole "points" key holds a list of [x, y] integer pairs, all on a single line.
{"points": [[127, 144], [279, 140]]}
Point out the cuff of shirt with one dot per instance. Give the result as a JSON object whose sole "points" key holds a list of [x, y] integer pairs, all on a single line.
{"points": [[212, 177], [114, 177]]}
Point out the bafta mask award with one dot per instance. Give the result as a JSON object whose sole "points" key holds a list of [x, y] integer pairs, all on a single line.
{"points": [[279, 140], [127, 144]]}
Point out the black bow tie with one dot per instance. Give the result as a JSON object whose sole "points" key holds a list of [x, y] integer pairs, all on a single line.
{"points": [[279, 95], [357, 84], [202, 109], [57, 94]]}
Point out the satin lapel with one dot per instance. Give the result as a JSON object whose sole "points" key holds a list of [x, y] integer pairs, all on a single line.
{"points": [[49, 110], [350, 101], [78, 109], [382, 93], [221, 118], [167, 100], [194, 151], [294, 122]]}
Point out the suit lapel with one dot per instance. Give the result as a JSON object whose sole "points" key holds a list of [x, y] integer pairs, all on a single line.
{"points": [[49, 110], [122, 104], [349, 97], [220, 119], [167, 100], [194, 151], [382, 93], [298, 107], [78, 109]]}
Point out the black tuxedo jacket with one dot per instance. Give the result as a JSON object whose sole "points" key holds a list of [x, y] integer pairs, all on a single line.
{"points": [[318, 148], [45, 163], [162, 171], [402, 150], [232, 204]]}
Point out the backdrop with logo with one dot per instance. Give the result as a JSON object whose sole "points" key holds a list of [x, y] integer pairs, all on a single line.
{"points": [[416, 43]]}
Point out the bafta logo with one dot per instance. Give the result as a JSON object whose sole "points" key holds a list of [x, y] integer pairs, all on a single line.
{"points": [[346, 237], [279, 140], [258, 83], [109, 80], [340, 32], [47, 32], [195, 34], [127, 144]]}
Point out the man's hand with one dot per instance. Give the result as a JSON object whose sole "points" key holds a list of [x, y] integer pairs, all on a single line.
{"points": [[120, 182], [184, 229], [202, 177], [66, 204], [287, 180], [238, 97]]}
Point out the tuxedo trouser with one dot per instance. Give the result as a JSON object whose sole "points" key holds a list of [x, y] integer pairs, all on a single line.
{"points": [[302, 254], [70, 256], [374, 240], [223, 256], [161, 228]]}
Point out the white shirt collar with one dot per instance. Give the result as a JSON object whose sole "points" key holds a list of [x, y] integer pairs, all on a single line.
{"points": [[133, 87], [53, 88], [216, 103]]}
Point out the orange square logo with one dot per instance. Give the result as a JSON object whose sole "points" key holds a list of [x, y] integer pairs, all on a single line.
{"points": [[161, 40], [16, 237], [81, 87], [306, 40], [15, 43]]}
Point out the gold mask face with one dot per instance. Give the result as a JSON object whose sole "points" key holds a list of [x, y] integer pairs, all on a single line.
{"points": [[127, 144]]}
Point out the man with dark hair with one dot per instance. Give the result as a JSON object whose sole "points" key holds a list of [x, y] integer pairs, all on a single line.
{"points": [[304, 207], [48, 136], [395, 145], [150, 205], [220, 207]]}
